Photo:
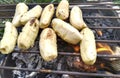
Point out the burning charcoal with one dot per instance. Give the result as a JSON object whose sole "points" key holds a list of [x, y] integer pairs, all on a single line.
{"points": [[116, 65], [116, 35], [65, 44], [2, 57], [27, 60], [14, 55], [16, 74], [117, 50], [34, 62], [50, 64], [61, 64], [77, 64], [66, 76], [19, 63], [52, 76], [31, 75]]}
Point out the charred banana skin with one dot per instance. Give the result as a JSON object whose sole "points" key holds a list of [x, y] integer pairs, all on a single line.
{"points": [[8, 42], [48, 44], [46, 16], [88, 47], [28, 35], [76, 18], [35, 12], [21, 8], [67, 32], [62, 11]]}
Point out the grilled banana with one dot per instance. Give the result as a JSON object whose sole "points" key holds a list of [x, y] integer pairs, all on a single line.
{"points": [[66, 31], [48, 44], [46, 16], [88, 47], [76, 18], [62, 10], [21, 8], [35, 12], [28, 35], [8, 41]]}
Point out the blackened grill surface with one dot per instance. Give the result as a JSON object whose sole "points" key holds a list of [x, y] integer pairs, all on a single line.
{"points": [[7, 11]]}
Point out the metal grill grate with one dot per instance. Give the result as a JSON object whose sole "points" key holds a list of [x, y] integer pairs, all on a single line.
{"points": [[7, 11]]}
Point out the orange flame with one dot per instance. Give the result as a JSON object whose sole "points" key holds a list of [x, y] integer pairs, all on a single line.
{"points": [[104, 48]]}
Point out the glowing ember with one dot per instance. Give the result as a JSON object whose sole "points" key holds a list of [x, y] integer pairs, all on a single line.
{"points": [[99, 32], [76, 48]]}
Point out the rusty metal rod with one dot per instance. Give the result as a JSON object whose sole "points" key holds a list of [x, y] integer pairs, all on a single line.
{"points": [[12, 10], [108, 27], [6, 17], [108, 41], [85, 17], [110, 3], [60, 72], [32, 4], [69, 54], [97, 27], [101, 17], [103, 41], [100, 8], [98, 55], [7, 10]]}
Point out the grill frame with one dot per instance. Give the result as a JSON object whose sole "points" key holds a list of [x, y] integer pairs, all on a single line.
{"points": [[11, 8]]}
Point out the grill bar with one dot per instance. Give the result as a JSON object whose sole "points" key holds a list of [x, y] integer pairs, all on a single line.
{"points": [[103, 41], [97, 27], [32, 4], [103, 17], [12, 10], [100, 8], [108, 41], [7, 11], [86, 17], [60, 72], [69, 54], [108, 27]]}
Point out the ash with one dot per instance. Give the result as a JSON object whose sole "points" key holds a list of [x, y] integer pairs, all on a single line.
{"points": [[34, 61], [26, 60]]}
